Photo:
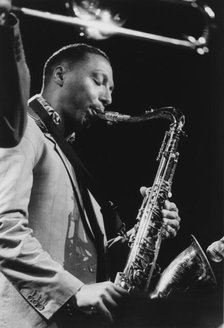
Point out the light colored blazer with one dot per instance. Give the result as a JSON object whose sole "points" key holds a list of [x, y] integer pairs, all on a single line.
{"points": [[32, 231], [37, 212], [37, 200]]}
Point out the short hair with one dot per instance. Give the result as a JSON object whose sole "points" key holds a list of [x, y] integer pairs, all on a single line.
{"points": [[71, 54]]}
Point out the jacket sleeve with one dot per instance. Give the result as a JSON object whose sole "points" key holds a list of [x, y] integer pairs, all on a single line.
{"points": [[42, 281], [14, 84]]}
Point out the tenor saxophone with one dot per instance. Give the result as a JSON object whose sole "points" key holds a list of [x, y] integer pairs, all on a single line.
{"points": [[148, 232]]}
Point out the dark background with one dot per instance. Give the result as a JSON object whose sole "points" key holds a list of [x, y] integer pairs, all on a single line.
{"points": [[148, 75]]}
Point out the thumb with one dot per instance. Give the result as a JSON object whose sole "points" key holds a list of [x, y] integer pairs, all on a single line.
{"points": [[144, 191]]}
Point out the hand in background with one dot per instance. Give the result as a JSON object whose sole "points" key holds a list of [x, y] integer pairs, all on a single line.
{"points": [[216, 250], [5, 7]]}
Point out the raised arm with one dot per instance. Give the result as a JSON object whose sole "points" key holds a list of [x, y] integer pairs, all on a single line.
{"points": [[14, 79]]}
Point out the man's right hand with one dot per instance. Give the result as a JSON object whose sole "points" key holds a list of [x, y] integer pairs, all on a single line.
{"points": [[5, 6], [103, 298]]}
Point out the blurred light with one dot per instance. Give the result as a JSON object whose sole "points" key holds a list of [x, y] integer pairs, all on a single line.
{"points": [[90, 10], [209, 11]]}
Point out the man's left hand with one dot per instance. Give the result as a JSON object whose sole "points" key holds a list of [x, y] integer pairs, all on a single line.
{"points": [[170, 215], [171, 219]]}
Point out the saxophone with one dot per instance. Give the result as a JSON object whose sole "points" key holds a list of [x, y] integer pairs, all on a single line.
{"points": [[148, 232]]}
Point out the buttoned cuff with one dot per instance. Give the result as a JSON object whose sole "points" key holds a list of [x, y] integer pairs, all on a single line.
{"points": [[47, 301]]}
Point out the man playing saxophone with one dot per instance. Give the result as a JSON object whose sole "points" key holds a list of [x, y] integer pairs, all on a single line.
{"points": [[52, 232]]}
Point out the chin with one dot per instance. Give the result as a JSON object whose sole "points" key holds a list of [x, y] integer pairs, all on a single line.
{"points": [[87, 125], [86, 122]]}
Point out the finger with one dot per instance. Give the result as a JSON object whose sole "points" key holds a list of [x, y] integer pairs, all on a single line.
{"points": [[170, 206], [171, 215], [121, 291], [115, 295], [114, 291], [103, 310], [112, 288], [110, 303], [143, 191], [174, 224], [169, 232]]}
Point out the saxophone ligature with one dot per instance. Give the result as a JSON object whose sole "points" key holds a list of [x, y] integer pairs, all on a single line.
{"points": [[148, 232]]}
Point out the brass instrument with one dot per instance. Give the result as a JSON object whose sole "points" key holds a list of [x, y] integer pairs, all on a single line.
{"points": [[100, 24], [145, 241], [147, 234], [188, 268]]}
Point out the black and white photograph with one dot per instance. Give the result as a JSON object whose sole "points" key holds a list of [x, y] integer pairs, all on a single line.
{"points": [[111, 163]]}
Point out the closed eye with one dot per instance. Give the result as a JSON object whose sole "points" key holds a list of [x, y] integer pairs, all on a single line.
{"points": [[97, 82]]}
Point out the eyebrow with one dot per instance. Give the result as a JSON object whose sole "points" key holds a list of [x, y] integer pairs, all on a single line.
{"points": [[97, 71]]}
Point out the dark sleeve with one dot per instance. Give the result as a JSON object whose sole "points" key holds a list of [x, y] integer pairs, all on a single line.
{"points": [[14, 84], [117, 255]]}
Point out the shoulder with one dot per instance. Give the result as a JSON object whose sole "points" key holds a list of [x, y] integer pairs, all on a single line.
{"points": [[33, 132], [33, 141]]}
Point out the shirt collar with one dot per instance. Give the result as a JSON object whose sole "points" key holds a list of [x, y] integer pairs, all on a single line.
{"points": [[54, 115]]}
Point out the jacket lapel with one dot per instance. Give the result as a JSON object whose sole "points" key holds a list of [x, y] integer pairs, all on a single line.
{"points": [[65, 161]]}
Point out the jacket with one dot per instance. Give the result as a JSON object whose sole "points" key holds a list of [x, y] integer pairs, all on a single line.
{"points": [[38, 214]]}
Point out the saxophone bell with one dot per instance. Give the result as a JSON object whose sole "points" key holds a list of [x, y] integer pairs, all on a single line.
{"points": [[189, 268]]}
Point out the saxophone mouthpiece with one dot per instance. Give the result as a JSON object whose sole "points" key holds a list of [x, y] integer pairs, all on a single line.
{"points": [[113, 117]]}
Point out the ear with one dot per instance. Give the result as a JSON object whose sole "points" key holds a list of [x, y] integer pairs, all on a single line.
{"points": [[59, 73]]}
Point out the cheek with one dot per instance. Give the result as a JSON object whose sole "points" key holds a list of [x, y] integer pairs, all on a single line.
{"points": [[81, 92], [86, 90]]}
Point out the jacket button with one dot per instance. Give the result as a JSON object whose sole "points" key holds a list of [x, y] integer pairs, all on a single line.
{"points": [[92, 268]]}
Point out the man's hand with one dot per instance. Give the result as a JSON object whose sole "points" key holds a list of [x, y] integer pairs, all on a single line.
{"points": [[5, 7], [171, 219], [102, 298], [216, 250], [170, 215]]}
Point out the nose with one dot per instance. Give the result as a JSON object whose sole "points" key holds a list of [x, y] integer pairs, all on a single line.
{"points": [[106, 97]]}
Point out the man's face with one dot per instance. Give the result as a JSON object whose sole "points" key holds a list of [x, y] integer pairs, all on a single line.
{"points": [[86, 90]]}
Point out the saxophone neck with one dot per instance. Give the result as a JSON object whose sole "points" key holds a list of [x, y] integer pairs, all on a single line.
{"points": [[171, 113]]}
